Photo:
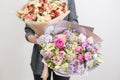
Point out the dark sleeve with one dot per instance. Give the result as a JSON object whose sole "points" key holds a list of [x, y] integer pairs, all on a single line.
{"points": [[72, 17], [28, 31]]}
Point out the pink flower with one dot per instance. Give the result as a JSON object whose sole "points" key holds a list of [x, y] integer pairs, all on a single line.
{"points": [[80, 58], [34, 16], [95, 50], [62, 53], [57, 60], [28, 17], [47, 55], [88, 56], [59, 43], [78, 49]]}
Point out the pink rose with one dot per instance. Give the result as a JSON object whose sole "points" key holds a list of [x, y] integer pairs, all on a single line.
{"points": [[88, 56], [80, 58], [78, 49], [59, 43], [62, 53]]}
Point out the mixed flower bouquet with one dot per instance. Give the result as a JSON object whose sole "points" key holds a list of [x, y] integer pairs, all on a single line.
{"points": [[67, 50], [42, 10], [70, 52], [40, 13]]}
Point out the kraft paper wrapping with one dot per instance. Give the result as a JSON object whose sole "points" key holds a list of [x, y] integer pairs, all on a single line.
{"points": [[39, 28]]}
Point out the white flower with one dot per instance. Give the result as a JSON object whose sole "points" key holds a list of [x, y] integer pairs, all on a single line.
{"points": [[41, 39], [82, 37], [40, 19], [57, 67], [95, 56]]}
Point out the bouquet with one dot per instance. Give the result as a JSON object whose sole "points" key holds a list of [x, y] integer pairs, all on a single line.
{"points": [[70, 50], [38, 14]]}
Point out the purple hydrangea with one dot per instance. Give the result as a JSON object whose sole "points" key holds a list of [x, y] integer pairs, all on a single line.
{"points": [[73, 66], [80, 68], [44, 39], [89, 48]]}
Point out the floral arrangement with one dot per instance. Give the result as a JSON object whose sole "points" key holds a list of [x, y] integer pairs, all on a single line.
{"points": [[69, 52], [42, 10]]}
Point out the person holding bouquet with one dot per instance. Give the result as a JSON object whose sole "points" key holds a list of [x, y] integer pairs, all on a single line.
{"points": [[38, 67]]}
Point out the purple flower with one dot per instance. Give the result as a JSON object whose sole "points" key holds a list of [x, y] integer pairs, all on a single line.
{"points": [[95, 50], [89, 48], [90, 40], [72, 69], [87, 62], [71, 36], [68, 45], [44, 39], [68, 36], [80, 68], [74, 30], [48, 38], [88, 56], [66, 32], [41, 39], [85, 44], [73, 66]]}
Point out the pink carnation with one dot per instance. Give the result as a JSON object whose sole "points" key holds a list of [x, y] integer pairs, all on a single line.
{"points": [[62, 53], [47, 55], [80, 58], [57, 60], [78, 49], [88, 56], [59, 43]]}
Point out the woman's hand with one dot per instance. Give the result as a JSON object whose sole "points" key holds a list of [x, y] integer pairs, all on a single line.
{"points": [[45, 73], [33, 38]]}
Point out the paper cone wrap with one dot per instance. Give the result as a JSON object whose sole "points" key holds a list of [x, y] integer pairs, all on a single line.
{"points": [[39, 28]]}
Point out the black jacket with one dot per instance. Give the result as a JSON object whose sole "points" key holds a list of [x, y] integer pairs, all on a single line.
{"points": [[36, 64]]}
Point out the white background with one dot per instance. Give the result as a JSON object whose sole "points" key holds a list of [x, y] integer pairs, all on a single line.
{"points": [[15, 51]]}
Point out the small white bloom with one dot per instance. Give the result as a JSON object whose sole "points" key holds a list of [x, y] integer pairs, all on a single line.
{"points": [[57, 67], [40, 19], [95, 56], [99, 61], [82, 37]]}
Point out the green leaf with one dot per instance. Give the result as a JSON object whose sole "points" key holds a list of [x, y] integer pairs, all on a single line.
{"points": [[56, 51], [68, 28]]}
